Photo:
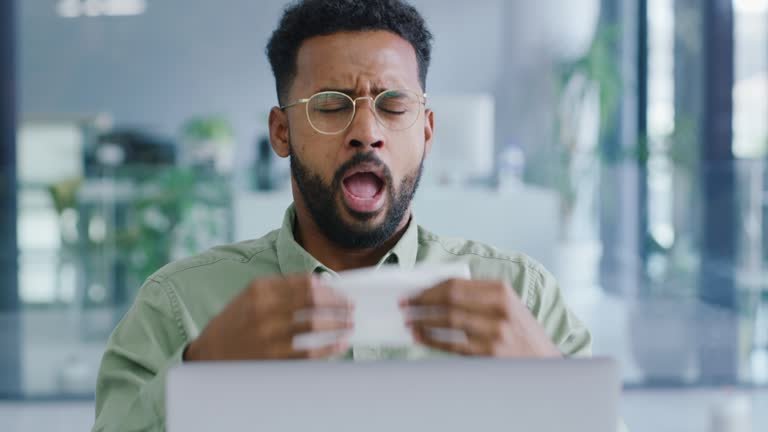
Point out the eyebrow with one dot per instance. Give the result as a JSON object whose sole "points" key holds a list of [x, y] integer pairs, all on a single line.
{"points": [[352, 92]]}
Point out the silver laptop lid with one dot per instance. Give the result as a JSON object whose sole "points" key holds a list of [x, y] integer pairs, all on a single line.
{"points": [[442, 395]]}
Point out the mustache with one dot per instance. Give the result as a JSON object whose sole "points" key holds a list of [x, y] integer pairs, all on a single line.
{"points": [[360, 159]]}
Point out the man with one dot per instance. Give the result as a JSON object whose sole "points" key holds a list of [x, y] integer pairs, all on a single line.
{"points": [[353, 119]]}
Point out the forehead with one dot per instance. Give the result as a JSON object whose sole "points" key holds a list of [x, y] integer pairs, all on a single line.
{"points": [[358, 61]]}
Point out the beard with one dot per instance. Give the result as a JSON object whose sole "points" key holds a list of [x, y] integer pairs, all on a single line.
{"points": [[323, 203]]}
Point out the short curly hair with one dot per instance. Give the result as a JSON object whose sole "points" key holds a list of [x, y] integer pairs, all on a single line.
{"points": [[305, 19]]}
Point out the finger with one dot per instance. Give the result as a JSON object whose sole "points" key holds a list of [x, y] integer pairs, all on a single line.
{"points": [[474, 325], [335, 314], [292, 293], [339, 347], [310, 291], [466, 347], [322, 322], [487, 297], [283, 326], [425, 337]]}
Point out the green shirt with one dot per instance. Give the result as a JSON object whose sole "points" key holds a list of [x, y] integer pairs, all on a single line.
{"points": [[176, 303]]}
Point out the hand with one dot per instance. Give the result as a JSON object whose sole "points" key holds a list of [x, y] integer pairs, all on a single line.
{"points": [[261, 322], [489, 313]]}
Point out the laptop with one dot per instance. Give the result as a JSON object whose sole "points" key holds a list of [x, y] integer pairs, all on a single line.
{"points": [[446, 395]]}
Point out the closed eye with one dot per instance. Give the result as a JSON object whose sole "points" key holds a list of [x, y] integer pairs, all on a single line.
{"points": [[393, 111], [331, 110]]}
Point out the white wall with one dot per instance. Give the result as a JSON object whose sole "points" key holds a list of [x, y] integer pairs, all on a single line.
{"points": [[188, 57]]}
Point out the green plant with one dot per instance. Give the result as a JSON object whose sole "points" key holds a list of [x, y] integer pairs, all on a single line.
{"points": [[597, 71], [213, 128], [600, 65], [167, 197]]}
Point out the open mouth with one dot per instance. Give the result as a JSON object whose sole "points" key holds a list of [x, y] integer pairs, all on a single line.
{"points": [[364, 189]]}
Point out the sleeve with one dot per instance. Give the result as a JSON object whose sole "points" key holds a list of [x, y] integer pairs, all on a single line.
{"points": [[546, 302], [149, 340]]}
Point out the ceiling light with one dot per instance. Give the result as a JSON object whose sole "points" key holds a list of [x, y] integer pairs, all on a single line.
{"points": [[751, 6], [95, 8]]}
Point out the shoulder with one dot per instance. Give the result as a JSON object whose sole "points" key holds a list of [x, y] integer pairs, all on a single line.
{"points": [[471, 249], [220, 257], [526, 275]]}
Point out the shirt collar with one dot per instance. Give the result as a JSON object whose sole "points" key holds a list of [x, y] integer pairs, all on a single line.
{"points": [[293, 259]]}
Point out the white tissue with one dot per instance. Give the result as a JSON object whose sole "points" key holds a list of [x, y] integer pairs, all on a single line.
{"points": [[376, 294]]}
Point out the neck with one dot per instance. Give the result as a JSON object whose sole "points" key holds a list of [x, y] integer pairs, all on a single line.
{"points": [[309, 236]]}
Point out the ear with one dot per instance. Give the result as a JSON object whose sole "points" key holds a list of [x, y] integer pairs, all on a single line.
{"points": [[279, 132], [429, 130]]}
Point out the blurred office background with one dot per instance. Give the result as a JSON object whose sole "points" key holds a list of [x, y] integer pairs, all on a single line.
{"points": [[622, 143]]}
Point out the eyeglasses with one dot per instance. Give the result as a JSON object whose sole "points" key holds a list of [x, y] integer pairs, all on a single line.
{"points": [[331, 112]]}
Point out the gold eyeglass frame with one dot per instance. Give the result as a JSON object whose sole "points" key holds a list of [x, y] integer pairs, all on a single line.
{"points": [[422, 99]]}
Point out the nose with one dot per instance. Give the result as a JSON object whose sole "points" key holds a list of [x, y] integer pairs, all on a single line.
{"points": [[365, 130]]}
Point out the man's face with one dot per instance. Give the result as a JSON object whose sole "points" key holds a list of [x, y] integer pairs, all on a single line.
{"points": [[357, 185]]}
